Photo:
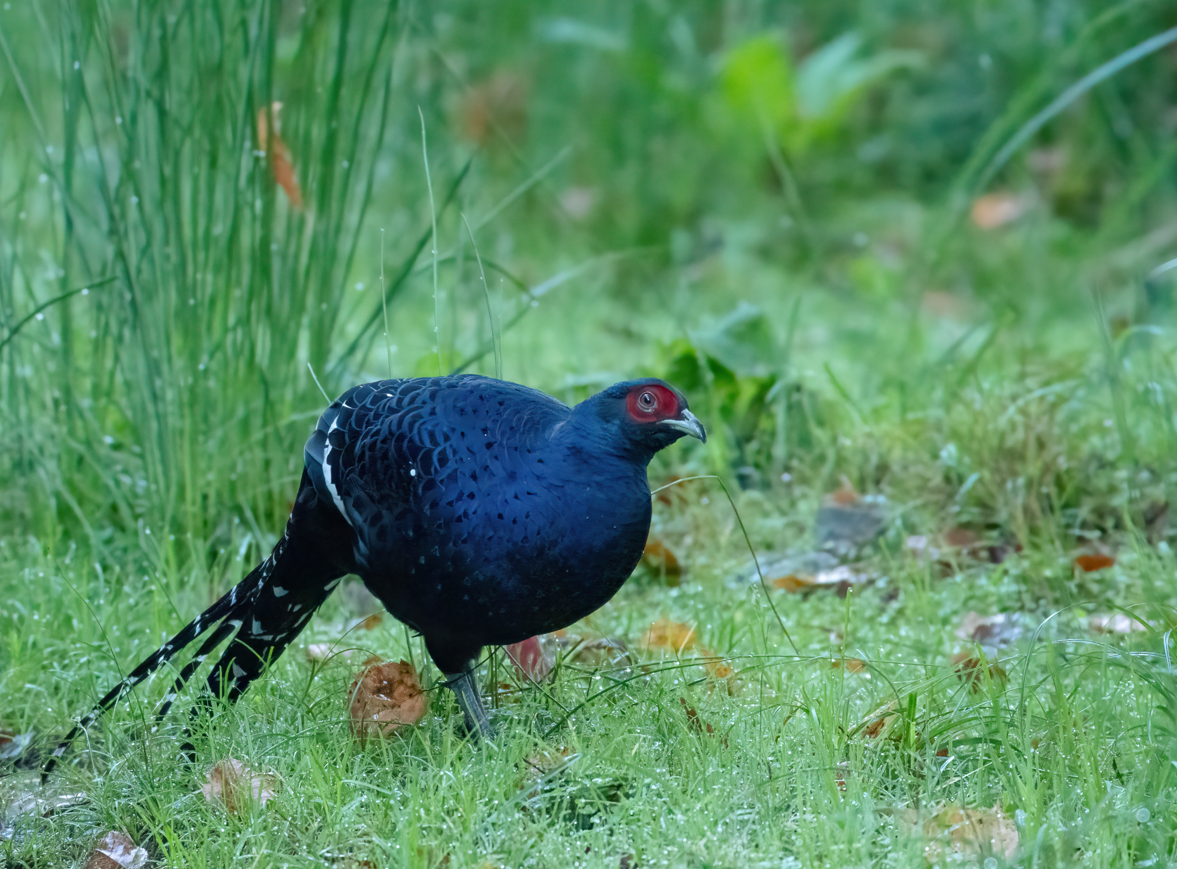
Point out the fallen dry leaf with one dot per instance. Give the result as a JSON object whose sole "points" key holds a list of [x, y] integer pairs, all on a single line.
{"points": [[961, 833], [596, 652], [676, 637], [384, 698], [971, 669], [116, 850], [850, 665], [670, 636], [1093, 561], [235, 786], [662, 561], [991, 632], [545, 762], [534, 658], [793, 583], [694, 722], [1117, 623], [878, 720], [997, 209], [839, 579], [281, 164], [961, 538], [496, 105], [367, 623]]}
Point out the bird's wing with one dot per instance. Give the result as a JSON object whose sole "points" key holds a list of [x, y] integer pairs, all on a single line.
{"points": [[398, 451]]}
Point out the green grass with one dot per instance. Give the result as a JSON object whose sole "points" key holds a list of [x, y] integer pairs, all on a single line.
{"points": [[163, 307]]}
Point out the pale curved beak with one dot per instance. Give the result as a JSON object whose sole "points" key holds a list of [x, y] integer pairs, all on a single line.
{"points": [[687, 423]]}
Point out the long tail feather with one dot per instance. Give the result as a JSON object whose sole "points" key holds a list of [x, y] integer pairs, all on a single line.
{"points": [[159, 658], [267, 609]]}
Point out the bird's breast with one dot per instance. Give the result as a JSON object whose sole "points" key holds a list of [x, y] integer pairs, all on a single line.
{"points": [[508, 549]]}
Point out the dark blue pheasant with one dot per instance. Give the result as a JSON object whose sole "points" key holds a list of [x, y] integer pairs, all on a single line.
{"points": [[479, 512]]}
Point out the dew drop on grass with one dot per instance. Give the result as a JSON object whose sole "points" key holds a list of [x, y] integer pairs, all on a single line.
{"points": [[1143, 814]]}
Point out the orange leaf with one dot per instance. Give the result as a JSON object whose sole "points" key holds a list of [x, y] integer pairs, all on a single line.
{"points": [[844, 495], [385, 698], [659, 558], [961, 538], [281, 164], [793, 583], [695, 723], [670, 636], [234, 785], [851, 665], [997, 209], [878, 720], [969, 833], [1093, 562]]}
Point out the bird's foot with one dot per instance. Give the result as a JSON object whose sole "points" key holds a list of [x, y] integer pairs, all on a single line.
{"points": [[466, 691]]}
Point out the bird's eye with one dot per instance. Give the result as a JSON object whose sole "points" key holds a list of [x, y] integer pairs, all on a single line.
{"points": [[647, 401]]}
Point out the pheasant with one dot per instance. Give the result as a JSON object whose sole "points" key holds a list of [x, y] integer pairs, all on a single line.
{"points": [[478, 511]]}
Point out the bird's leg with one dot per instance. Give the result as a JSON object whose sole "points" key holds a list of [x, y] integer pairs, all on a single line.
{"points": [[465, 688]]}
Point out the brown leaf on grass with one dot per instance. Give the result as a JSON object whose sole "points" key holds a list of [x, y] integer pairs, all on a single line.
{"points": [[840, 580], [498, 105], [1093, 561], [959, 833], [961, 538], [956, 543], [534, 658], [972, 670], [878, 720], [997, 209], [794, 584], [841, 772], [116, 850], [695, 724], [665, 635], [991, 632], [281, 164], [235, 786], [385, 697], [367, 623], [670, 494], [594, 652], [661, 560], [1117, 623], [850, 665], [545, 762], [718, 669]]}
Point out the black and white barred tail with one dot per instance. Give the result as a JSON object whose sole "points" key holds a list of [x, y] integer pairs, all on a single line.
{"points": [[265, 611]]}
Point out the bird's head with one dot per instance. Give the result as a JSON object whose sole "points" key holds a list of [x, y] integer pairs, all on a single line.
{"points": [[646, 415]]}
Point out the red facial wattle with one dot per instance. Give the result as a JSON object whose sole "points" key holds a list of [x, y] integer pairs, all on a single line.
{"points": [[651, 403]]}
